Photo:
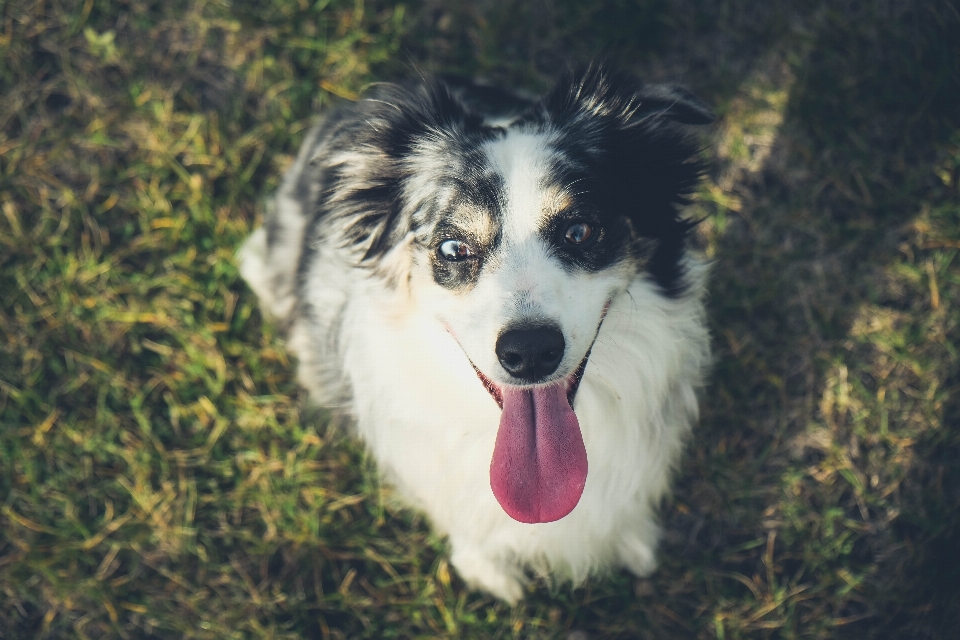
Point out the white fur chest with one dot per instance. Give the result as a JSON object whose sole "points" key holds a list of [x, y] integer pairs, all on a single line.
{"points": [[432, 426]]}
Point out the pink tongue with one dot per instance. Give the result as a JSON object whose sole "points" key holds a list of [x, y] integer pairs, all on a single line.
{"points": [[539, 463]]}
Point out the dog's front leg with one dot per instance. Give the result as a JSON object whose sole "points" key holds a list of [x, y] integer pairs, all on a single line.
{"points": [[481, 571], [637, 545]]}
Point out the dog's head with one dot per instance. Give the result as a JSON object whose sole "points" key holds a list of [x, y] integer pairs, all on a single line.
{"points": [[518, 237]]}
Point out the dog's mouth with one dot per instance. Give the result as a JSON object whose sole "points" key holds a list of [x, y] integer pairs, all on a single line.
{"points": [[539, 465], [571, 383]]}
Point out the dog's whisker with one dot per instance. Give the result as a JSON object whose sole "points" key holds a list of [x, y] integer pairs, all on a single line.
{"points": [[389, 104]]}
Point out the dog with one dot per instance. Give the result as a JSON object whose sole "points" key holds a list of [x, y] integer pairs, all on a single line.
{"points": [[498, 289]]}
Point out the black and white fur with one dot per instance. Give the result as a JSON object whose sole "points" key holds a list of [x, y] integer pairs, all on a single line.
{"points": [[354, 259]]}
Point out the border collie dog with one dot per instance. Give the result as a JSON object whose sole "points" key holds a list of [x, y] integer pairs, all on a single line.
{"points": [[497, 290]]}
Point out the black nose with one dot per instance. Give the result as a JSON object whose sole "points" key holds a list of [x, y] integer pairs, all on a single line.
{"points": [[530, 354]]}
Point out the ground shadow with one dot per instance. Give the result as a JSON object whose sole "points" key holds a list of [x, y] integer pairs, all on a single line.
{"points": [[818, 228]]}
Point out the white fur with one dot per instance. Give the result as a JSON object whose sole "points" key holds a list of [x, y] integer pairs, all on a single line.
{"points": [[432, 427]]}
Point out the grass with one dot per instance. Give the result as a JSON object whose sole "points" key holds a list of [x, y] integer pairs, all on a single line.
{"points": [[159, 476]]}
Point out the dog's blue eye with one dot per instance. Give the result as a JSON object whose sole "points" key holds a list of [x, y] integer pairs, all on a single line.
{"points": [[578, 233], [455, 251]]}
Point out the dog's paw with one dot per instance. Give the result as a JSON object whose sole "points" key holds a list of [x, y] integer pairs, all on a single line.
{"points": [[637, 556], [480, 572]]}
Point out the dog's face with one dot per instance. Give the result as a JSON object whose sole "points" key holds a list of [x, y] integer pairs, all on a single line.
{"points": [[523, 262], [517, 239]]}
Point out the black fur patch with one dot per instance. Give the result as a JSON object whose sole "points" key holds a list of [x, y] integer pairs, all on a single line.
{"points": [[610, 242], [626, 142]]}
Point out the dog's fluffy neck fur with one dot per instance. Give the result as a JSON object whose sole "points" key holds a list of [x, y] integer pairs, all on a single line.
{"points": [[344, 261]]}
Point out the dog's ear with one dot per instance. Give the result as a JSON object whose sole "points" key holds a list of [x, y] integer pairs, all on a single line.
{"points": [[631, 137], [600, 98]]}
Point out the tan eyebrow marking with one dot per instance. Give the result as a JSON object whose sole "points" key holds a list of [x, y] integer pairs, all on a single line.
{"points": [[555, 201], [474, 221]]}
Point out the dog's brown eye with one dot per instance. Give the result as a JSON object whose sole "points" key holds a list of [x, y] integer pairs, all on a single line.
{"points": [[455, 251], [578, 233]]}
